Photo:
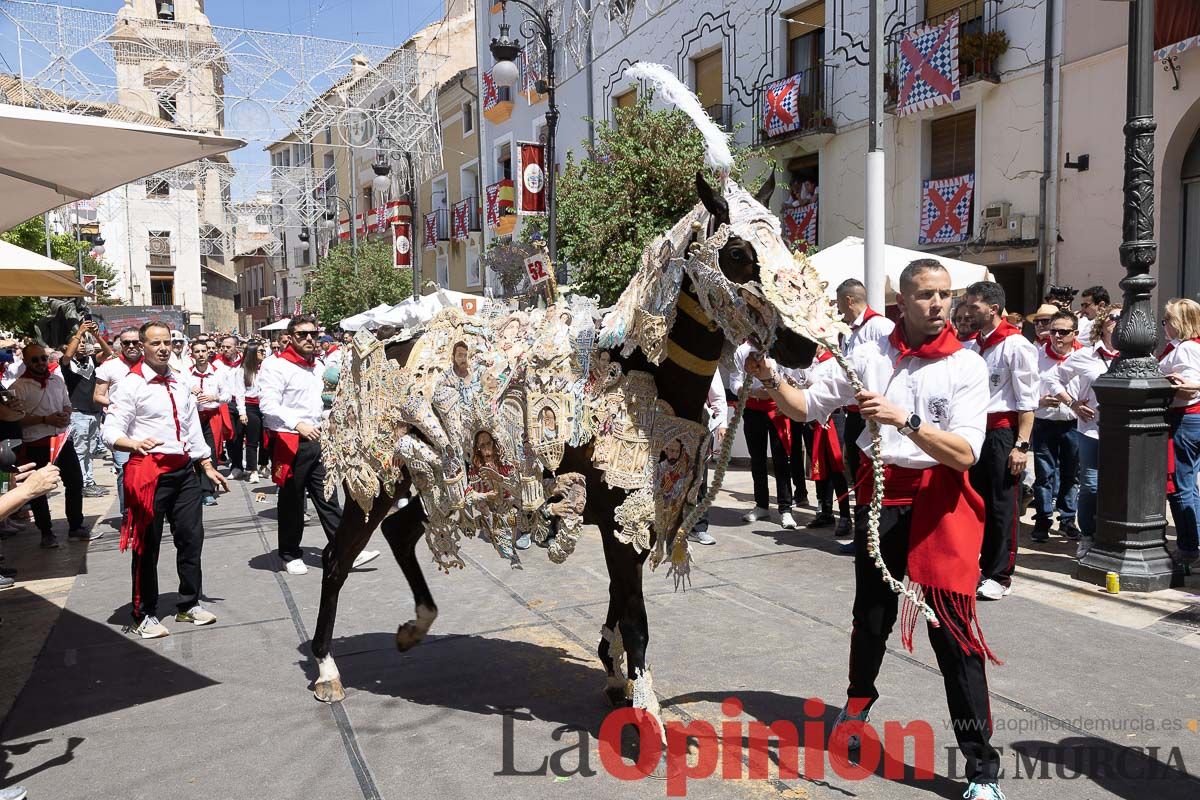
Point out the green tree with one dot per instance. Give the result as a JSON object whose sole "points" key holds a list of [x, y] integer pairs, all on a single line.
{"points": [[637, 182], [19, 313], [337, 290]]}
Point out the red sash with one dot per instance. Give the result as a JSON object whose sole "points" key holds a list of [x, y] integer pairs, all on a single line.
{"points": [[826, 447], [778, 419], [222, 427], [284, 447], [141, 481], [1004, 330]]}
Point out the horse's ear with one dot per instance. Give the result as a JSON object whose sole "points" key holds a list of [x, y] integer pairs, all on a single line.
{"points": [[763, 195], [715, 204]]}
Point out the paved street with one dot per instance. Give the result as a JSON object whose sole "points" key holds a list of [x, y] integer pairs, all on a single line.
{"points": [[226, 711]]}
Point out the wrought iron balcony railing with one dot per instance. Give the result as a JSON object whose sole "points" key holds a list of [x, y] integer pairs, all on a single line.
{"points": [[798, 105], [722, 113]]}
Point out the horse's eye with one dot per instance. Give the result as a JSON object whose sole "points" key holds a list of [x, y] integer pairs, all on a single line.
{"points": [[738, 255]]}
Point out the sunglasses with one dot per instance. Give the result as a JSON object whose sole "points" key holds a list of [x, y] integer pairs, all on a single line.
{"points": [[130, 343], [1054, 332], [1041, 322], [305, 334]]}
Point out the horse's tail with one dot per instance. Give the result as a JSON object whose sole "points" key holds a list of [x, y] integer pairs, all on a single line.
{"points": [[716, 141]]}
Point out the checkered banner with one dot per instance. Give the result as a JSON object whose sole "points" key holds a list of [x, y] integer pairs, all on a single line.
{"points": [[800, 225], [781, 112], [946, 209], [928, 69], [460, 213], [431, 231], [498, 196], [530, 74], [491, 95]]}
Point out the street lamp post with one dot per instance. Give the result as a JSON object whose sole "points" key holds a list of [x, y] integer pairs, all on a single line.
{"points": [[1133, 396], [332, 203], [505, 51]]}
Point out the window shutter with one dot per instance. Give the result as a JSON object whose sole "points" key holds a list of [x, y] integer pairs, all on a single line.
{"points": [[952, 146], [935, 8], [806, 20], [709, 80]]}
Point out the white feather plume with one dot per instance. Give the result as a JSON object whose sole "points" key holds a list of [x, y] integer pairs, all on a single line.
{"points": [[671, 89]]}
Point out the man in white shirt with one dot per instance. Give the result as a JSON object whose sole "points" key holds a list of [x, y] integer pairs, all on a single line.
{"points": [[1013, 378], [154, 419], [289, 396], [717, 408], [229, 359], [128, 354], [179, 357], [44, 396], [928, 394], [1055, 451], [211, 389], [1093, 304]]}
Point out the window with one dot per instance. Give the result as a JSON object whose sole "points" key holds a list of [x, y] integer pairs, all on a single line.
{"points": [[504, 162], [952, 146], [709, 80], [328, 134], [474, 278], [468, 121], [160, 248], [805, 38], [936, 8], [162, 291], [443, 270], [157, 188]]}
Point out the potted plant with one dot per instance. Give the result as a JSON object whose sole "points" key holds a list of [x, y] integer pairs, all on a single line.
{"points": [[971, 53], [995, 44], [891, 82]]}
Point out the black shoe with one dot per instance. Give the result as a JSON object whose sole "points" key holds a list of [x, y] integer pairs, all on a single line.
{"points": [[823, 519], [1069, 530], [1041, 532], [844, 529]]}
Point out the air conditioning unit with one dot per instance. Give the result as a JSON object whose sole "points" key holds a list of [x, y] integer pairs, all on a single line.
{"points": [[1030, 224], [995, 215]]}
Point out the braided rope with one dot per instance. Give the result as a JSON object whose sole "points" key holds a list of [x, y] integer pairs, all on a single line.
{"points": [[714, 486], [876, 506]]}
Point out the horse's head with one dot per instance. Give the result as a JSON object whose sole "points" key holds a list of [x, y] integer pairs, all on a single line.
{"points": [[755, 256]]}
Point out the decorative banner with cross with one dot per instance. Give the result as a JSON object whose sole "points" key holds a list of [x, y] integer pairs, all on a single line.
{"points": [[401, 245], [946, 209], [491, 93], [499, 196], [928, 68], [530, 75], [533, 178], [296, 308], [800, 225], [278, 306], [460, 214], [537, 266], [781, 112], [431, 231]]}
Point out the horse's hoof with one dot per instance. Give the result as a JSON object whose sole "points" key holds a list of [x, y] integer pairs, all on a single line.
{"points": [[330, 691], [408, 636]]}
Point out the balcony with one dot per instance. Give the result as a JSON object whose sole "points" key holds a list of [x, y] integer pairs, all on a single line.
{"points": [[722, 114], [795, 106], [981, 43], [474, 217], [443, 224]]}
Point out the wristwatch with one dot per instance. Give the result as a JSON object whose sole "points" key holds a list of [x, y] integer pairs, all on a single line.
{"points": [[910, 427], [1023, 446]]}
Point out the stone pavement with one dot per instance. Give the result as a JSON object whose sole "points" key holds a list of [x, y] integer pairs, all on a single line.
{"points": [[1091, 685]]}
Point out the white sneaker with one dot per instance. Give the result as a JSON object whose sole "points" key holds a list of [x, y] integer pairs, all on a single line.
{"points": [[252, 477], [365, 557], [786, 521], [990, 590], [196, 616], [297, 567], [755, 514], [852, 740], [151, 628]]}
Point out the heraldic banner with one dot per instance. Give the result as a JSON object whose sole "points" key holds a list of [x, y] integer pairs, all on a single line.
{"points": [[431, 231], [781, 106], [402, 244], [533, 178], [499, 196], [800, 225], [946, 209], [460, 215], [928, 67]]}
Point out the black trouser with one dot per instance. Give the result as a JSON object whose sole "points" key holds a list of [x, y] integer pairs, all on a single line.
{"points": [[72, 480], [1001, 493], [853, 428], [875, 609], [254, 432], [177, 501], [759, 431], [836, 482], [308, 475], [702, 523], [233, 448], [209, 439]]}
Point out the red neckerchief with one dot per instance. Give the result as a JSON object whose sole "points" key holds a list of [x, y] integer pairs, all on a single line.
{"points": [[1170, 348], [132, 364], [221, 359], [824, 357], [940, 346], [867, 315], [1106, 354], [290, 353], [42, 381], [1055, 356], [202, 375], [1002, 332]]}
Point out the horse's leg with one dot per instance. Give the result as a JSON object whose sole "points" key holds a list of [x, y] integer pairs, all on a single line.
{"points": [[336, 561], [610, 650], [625, 569], [403, 530]]}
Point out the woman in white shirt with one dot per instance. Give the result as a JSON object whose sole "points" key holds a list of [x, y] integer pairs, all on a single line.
{"points": [[244, 383], [1181, 361]]}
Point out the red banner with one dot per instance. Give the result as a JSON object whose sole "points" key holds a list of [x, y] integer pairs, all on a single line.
{"points": [[402, 244], [431, 231], [491, 95], [533, 178], [296, 308], [460, 215]]}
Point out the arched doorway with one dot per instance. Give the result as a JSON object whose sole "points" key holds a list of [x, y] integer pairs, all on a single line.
{"points": [[1189, 175]]}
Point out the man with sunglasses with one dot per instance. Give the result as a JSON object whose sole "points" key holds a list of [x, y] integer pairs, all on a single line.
{"points": [[1055, 452], [1093, 305], [289, 396], [47, 405], [129, 353]]}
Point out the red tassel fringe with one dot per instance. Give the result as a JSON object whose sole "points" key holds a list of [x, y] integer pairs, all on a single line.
{"points": [[950, 608]]}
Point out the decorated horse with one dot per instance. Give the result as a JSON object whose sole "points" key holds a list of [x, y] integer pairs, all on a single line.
{"points": [[503, 424]]}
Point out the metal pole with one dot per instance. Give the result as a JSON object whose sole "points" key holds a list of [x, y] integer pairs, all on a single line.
{"points": [[46, 225], [1130, 522], [875, 212], [551, 132], [413, 197], [78, 245]]}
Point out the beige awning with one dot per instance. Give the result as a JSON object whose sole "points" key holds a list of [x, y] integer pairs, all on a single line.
{"points": [[24, 273]]}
